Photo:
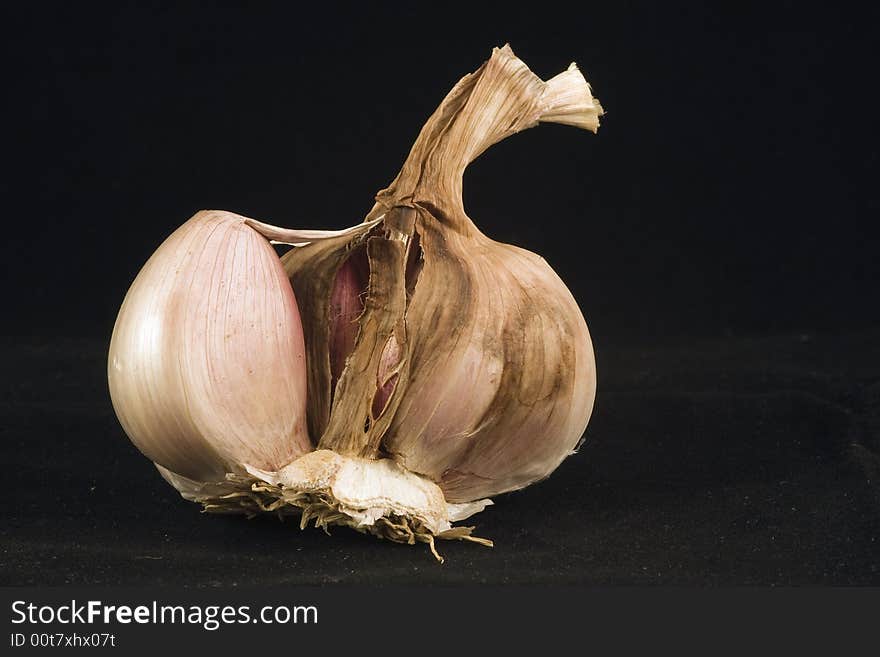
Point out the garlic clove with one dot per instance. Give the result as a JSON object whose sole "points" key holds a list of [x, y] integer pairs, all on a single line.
{"points": [[207, 363], [498, 400]]}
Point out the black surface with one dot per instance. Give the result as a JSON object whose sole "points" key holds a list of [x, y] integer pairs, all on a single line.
{"points": [[715, 462], [720, 233]]}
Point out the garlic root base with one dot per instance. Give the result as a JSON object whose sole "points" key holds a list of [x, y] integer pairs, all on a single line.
{"points": [[377, 497]]}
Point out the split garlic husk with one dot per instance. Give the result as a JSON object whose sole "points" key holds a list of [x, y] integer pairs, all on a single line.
{"points": [[390, 377]]}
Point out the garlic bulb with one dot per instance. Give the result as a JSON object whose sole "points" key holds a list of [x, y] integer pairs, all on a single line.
{"points": [[389, 377]]}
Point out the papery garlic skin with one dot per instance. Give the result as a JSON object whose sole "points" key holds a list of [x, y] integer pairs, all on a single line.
{"points": [[207, 362], [493, 379], [499, 397], [496, 374]]}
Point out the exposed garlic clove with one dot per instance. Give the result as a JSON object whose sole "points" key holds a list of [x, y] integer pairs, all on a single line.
{"points": [[207, 364]]}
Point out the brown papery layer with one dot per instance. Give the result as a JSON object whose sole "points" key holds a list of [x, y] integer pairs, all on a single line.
{"points": [[472, 365]]}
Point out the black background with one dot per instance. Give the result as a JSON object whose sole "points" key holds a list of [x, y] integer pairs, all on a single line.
{"points": [[720, 233]]}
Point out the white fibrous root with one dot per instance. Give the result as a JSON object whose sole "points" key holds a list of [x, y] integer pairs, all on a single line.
{"points": [[390, 377]]}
